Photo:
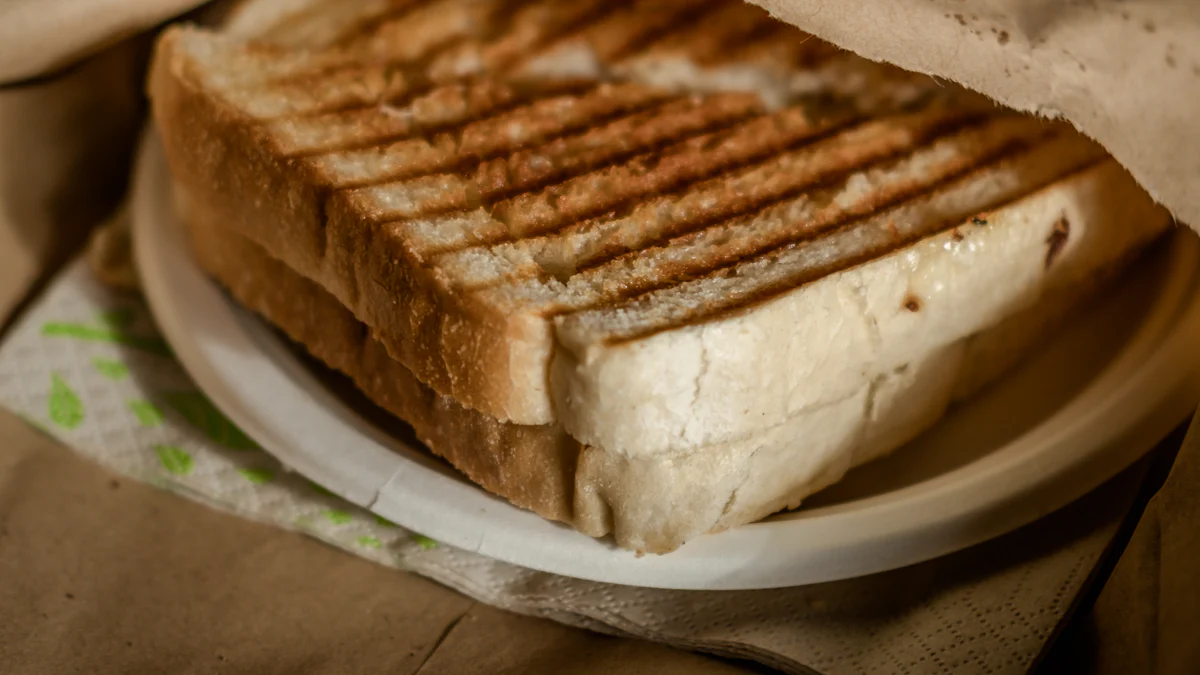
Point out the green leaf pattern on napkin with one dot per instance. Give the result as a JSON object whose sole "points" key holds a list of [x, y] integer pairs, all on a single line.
{"points": [[86, 332], [257, 476], [174, 460], [141, 417], [65, 408], [113, 370], [147, 414], [337, 516], [199, 412], [119, 318], [423, 541]]}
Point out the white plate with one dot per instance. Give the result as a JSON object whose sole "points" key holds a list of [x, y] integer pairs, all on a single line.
{"points": [[1083, 409]]}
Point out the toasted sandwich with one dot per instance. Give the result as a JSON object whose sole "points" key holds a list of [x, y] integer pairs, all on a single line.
{"points": [[652, 269]]}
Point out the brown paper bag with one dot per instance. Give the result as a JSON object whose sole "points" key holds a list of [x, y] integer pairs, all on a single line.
{"points": [[66, 143], [1125, 73], [38, 37]]}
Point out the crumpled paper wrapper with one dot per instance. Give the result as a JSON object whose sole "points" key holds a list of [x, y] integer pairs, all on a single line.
{"points": [[38, 37], [1124, 73]]}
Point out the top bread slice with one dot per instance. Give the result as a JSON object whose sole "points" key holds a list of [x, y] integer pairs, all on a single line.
{"points": [[537, 212]]}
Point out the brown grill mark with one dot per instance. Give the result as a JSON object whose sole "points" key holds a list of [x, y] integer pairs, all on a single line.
{"points": [[737, 250], [396, 11], [738, 301], [1057, 240], [530, 28], [464, 146], [407, 42], [785, 45], [689, 161], [632, 29], [374, 126], [375, 81], [343, 89], [565, 158], [341, 71], [605, 19], [746, 197], [837, 165], [761, 31], [511, 15], [291, 29], [706, 40]]}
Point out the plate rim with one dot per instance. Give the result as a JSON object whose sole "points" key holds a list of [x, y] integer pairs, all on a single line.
{"points": [[771, 554]]}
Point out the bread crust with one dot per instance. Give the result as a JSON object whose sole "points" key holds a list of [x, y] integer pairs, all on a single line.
{"points": [[532, 466], [349, 236], [227, 162]]}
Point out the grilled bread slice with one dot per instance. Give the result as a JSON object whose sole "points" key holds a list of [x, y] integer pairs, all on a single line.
{"points": [[363, 164], [462, 218], [656, 503]]}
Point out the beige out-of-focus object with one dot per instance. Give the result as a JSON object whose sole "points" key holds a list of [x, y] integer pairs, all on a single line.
{"points": [[1125, 73], [65, 144], [41, 36]]}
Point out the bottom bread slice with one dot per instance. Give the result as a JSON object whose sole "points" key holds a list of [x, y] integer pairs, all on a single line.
{"points": [[664, 501]]}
